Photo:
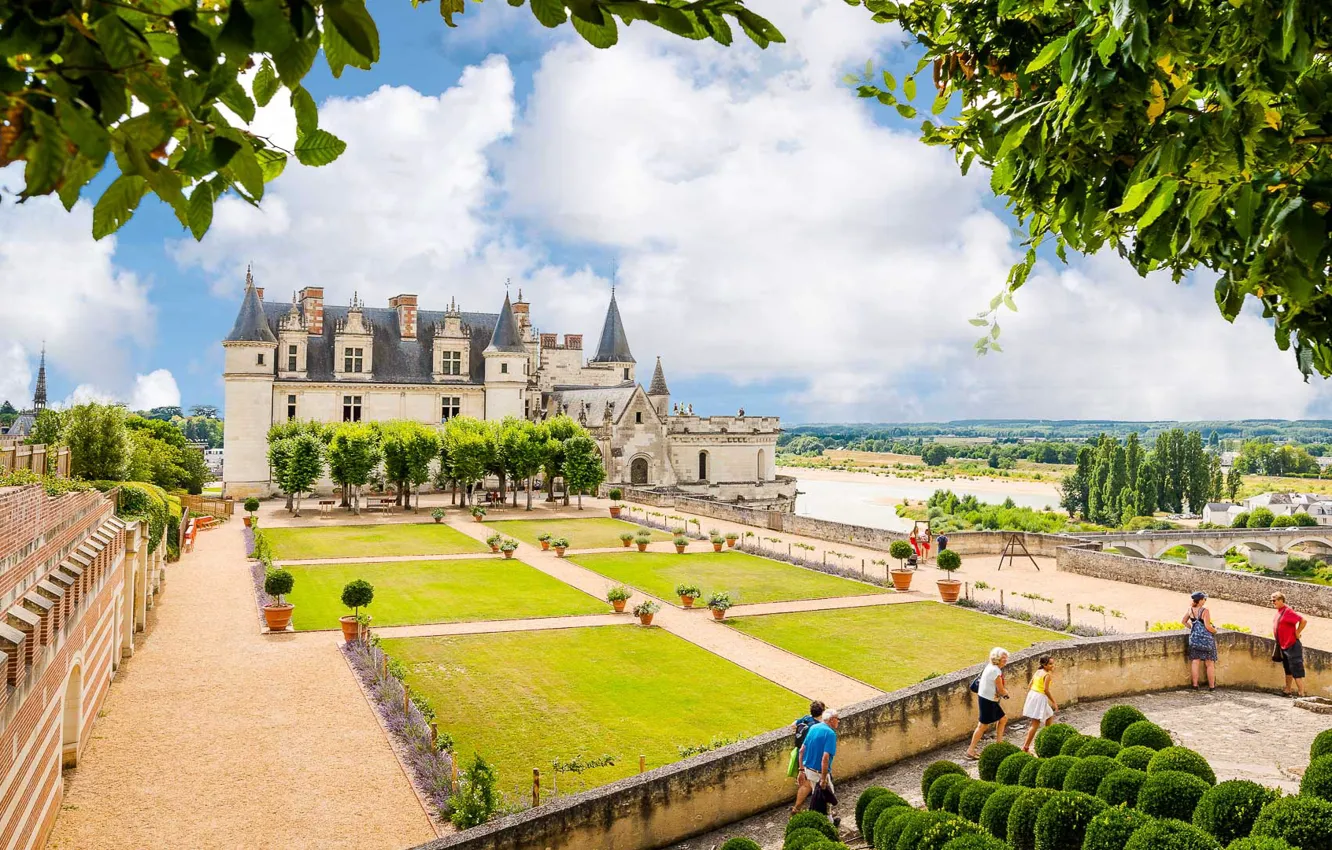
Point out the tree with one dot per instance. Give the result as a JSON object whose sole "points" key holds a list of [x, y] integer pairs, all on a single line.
{"points": [[1218, 485], [166, 414], [557, 429], [353, 454], [69, 73], [161, 455], [99, 442], [279, 457], [304, 467], [1233, 482], [206, 411], [522, 448], [323, 432], [1260, 518], [423, 445], [1077, 484], [1144, 500], [467, 451], [202, 429], [48, 428], [583, 469], [935, 454], [1186, 136]]}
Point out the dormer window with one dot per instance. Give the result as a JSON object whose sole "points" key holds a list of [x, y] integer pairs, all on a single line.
{"points": [[451, 363], [352, 359], [291, 358]]}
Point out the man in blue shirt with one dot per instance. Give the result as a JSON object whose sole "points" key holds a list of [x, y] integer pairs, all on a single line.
{"points": [[819, 750]]}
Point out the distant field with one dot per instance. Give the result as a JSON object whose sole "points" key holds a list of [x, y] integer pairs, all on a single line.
{"points": [[873, 458], [1255, 484]]}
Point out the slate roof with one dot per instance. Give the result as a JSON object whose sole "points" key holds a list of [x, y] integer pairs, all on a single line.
{"points": [[251, 325], [22, 426], [658, 385], [506, 336], [614, 345], [595, 397]]}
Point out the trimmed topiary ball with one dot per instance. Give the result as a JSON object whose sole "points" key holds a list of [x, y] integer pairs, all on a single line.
{"points": [[1029, 773], [1121, 787], [1086, 775], [803, 838], [1322, 745], [975, 841], [1022, 817], [1170, 834], [1145, 733], [1228, 810], [880, 826], [1136, 757], [1112, 827], [1304, 822], [1010, 769], [916, 827], [1183, 760], [953, 799], [1051, 738], [994, 817], [1171, 794], [940, 787], [973, 800], [944, 830], [811, 820], [934, 771], [1063, 819], [1259, 844], [741, 844], [1317, 781], [828, 844], [890, 826], [875, 807], [1099, 747], [993, 756], [1053, 770], [869, 795], [1073, 743], [1118, 718]]}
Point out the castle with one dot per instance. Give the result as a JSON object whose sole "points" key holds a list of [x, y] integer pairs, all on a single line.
{"points": [[308, 360]]}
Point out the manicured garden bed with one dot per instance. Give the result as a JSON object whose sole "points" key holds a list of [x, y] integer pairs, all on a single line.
{"points": [[748, 578], [358, 541], [452, 591], [893, 646], [524, 699], [589, 533]]}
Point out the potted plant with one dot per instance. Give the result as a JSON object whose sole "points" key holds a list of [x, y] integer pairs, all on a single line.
{"points": [[544, 539], [642, 539], [357, 594], [507, 547], [251, 505], [680, 543], [949, 588], [560, 544], [687, 593], [714, 532], [731, 538], [645, 610], [616, 494], [438, 514], [717, 542], [901, 550], [718, 603], [617, 596], [478, 513], [277, 614], [494, 541], [627, 538]]}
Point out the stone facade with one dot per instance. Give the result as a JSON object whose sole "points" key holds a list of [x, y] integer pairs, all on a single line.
{"points": [[311, 361]]}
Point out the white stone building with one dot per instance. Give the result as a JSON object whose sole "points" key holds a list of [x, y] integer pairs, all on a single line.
{"points": [[308, 360]]}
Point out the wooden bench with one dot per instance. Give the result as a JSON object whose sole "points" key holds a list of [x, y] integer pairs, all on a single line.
{"points": [[326, 506], [187, 538]]}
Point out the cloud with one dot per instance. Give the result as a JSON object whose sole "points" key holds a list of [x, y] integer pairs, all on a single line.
{"points": [[156, 389], [15, 376]]}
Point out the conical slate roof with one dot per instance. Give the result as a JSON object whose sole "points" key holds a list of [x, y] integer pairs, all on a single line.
{"points": [[658, 385], [506, 336], [614, 346], [251, 324]]}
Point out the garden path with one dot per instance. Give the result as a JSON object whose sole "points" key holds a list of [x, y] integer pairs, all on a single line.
{"points": [[534, 624], [214, 736]]}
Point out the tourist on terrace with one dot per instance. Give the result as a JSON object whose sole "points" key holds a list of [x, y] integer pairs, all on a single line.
{"points": [[802, 727], [914, 539], [990, 688], [820, 748], [1287, 627], [925, 545], [1202, 640], [1040, 707]]}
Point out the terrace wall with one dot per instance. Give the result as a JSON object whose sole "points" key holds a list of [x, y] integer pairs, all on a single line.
{"points": [[709, 791]]}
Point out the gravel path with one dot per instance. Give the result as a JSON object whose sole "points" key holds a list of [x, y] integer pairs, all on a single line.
{"points": [[214, 736]]}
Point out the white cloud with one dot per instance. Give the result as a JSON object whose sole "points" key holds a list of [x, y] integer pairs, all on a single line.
{"points": [[156, 389], [15, 376]]}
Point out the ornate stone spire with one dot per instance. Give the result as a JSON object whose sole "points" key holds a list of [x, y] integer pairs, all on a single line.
{"points": [[39, 396], [658, 385]]}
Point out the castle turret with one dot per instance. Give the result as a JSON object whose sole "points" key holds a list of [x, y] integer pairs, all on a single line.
{"points": [[506, 367], [613, 348], [658, 393], [250, 351]]}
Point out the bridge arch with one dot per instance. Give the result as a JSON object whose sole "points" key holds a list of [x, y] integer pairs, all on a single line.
{"points": [[1260, 545], [1196, 549], [1132, 552], [1318, 539]]}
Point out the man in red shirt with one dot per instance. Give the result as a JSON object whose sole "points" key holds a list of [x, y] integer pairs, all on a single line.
{"points": [[1286, 628]]}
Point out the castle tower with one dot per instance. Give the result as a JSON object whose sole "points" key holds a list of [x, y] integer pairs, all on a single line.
{"points": [[658, 393], [250, 351], [39, 396], [613, 348], [506, 367]]}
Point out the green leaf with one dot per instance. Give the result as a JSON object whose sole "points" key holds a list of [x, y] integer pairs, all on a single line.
{"points": [[889, 81], [449, 8], [294, 62], [237, 35], [906, 110], [121, 43], [851, 80], [1136, 194], [117, 204], [1013, 139], [994, 346], [601, 35], [339, 54], [354, 23], [195, 45], [307, 114], [940, 103], [235, 98], [244, 169], [78, 172], [550, 13], [980, 323], [1164, 196], [83, 129], [1047, 55], [201, 210], [909, 88], [265, 83], [1009, 303], [1288, 27], [46, 156], [271, 162], [319, 148]]}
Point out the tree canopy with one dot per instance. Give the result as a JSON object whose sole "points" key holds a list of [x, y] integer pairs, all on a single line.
{"points": [[1184, 134], [70, 71]]}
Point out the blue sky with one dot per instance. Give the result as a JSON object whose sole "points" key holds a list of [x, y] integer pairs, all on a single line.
{"points": [[781, 244]]}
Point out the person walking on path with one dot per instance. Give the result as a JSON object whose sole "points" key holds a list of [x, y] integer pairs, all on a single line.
{"points": [[820, 749], [943, 542], [915, 541], [1287, 627], [990, 688], [925, 546], [802, 727], [1202, 639], [1040, 707]]}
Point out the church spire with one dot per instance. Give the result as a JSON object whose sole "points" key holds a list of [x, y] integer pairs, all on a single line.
{"points": [[614, 344], [658, 385], [39, 396]]}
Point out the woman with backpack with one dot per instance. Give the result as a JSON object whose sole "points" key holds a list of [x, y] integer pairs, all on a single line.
{"points": [[1202, 640], [802, 727]]}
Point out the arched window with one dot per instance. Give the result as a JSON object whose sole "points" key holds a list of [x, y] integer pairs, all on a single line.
{"points": [[760, 465], [702, 466], [638, 471]]}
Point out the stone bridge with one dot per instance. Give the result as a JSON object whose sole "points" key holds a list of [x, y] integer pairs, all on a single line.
{"points": [[1215, 542]]}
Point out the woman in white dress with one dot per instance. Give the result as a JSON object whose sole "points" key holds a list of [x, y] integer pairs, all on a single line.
{"points": [[1040, 707]]}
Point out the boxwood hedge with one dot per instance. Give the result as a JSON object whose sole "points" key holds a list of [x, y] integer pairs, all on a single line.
{"points": [[883, 826], [1112, 827], [1073, 743], [1136, 757], [934, 771], [1062, 821], [1317, 781], [973, 800], [1304, 822], [1171, 794], [993, 756], [1053, 770], [1228, 810], [940, 787], [1099, 747], [953, 799], [1022, 817], [1184, 760], [1171, 834], [1050, 739], [1322, 745], [1118, 718], [1145, 733], [1121, 787], [1086, 775], [811, 820], [1010, 769], [994, 817], [1029, 773]]}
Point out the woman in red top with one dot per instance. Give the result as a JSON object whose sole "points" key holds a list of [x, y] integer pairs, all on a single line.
{"points": [[915, 541], [1286, 628]]}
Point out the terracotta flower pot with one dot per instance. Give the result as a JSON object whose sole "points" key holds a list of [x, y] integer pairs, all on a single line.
{"points": [[508, 554], [626, 543], [479, 518], [679, 550], [247, 522], [619, 605], [901, 580], [494, 548], [718, 613], [439, 519], [545, 545], [349, 630], [615, 513], [716, 547], [949, 589], [730, 544], [559, 551], [278, 617], [642, 547], [687, 601], [645, 619]]}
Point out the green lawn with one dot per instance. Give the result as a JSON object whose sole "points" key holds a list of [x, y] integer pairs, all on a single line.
{"points": [[748, 578], [409, 592], [355, 541], [893, 646], [589, 533], [524, 699]]}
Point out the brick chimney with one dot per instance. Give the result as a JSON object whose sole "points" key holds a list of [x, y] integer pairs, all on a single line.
{"points": [[312, 304], [549, 340], [574, 341], [406, 307]]}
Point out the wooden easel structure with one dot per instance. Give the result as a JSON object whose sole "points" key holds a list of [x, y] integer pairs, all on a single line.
{"points": [[1013, 544]]}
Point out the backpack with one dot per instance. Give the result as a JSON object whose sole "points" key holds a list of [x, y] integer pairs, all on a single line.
{"points": [[802, 727]]}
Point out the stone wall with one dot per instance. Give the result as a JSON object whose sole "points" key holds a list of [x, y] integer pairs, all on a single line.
{"points": [[709, 791], [1232, 585]]}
